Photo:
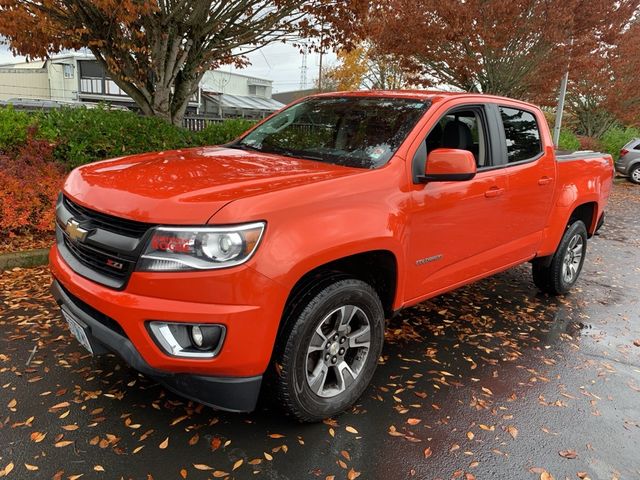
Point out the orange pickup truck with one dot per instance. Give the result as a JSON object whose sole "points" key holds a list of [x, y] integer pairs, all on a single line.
{"points": [[280, 255]]}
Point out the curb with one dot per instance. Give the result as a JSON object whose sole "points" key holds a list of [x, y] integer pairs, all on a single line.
{"points": [[30, 258]]}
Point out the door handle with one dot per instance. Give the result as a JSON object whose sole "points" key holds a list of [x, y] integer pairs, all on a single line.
{"points": [[545, 181], [494, 192]]}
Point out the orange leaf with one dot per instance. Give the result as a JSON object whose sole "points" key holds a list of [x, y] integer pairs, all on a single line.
{"points": [[164, 444], [427, 452]]}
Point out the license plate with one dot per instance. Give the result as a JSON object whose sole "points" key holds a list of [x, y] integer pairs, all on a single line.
{"points": [[77, 330]]}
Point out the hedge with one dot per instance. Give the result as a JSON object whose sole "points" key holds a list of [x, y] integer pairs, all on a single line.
{"points": [[81, 135]]}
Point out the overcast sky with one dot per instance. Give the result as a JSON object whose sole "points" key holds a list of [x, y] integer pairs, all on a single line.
{"points": [[278, 62]]}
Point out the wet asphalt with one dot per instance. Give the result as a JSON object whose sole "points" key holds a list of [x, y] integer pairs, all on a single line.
{"points": [[492, 381]]}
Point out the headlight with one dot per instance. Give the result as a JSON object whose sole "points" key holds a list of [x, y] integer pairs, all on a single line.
{"points": [[200, 248]]}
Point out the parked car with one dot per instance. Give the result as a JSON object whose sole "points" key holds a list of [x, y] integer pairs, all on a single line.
{"points": [[280, 255], [629, 162]]}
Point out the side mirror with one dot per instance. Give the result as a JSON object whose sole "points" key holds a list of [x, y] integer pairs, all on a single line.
{"points": [[449, 165]]}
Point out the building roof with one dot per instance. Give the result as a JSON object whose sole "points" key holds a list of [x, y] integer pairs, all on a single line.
{"points": [[244, 102]]}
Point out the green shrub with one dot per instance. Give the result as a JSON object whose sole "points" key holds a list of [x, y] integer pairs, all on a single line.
{"points": [[86, 135], [568, 141], [224, 132], [616, 137], [13, 127]]}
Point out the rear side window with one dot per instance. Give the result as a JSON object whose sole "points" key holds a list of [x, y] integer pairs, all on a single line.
{"points": [[522, 134]]}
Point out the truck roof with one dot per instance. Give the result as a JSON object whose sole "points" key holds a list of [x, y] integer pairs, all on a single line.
{"points": [[432, 95]]}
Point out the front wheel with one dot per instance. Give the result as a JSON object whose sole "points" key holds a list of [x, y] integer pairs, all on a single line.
{"points": [[561, 274], [634, 174], [330, 350]]}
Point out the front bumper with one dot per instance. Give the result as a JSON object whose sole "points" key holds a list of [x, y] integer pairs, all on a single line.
{"points": [[621, 167], [248, 305], [232, 394]]}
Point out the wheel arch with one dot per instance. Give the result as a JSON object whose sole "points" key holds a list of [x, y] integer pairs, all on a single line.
{"points": [[378, 268]]}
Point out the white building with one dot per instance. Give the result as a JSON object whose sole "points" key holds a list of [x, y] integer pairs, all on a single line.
{"points": [[78, 78]]}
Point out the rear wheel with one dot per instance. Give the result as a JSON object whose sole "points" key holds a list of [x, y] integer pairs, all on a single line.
{"points": [[560, 275], [634, 174], [330, 350]]}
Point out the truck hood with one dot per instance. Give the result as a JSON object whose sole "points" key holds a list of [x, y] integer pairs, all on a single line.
{"points": [[188, 186]]}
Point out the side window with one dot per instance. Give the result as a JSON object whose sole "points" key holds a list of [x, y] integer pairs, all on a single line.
{"points": [[522, 133], [637, 147], [463, 130]]}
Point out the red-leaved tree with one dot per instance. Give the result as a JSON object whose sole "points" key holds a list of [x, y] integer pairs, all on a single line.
{"points": [[157, 51]]}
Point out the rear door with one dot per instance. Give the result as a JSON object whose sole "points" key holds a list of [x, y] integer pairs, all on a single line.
{"points": [[530, 166]]}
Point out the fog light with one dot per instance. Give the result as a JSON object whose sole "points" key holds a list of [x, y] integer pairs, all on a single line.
{"points": [[188, 340], [196, 336]]}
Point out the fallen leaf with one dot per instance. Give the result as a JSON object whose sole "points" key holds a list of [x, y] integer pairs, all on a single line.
{"points": [[568, 454], [352, 475], [276, 435], [470, 435], [546, 476], [427, 452], [99, 468], [31, 468], [220, 473], [201, 466], [63, 443], [164, 444], [413, 421], [637, 342], [513, 431], [7, 470], [350, 429], [238, 464], [268, 456], [215, 443]]}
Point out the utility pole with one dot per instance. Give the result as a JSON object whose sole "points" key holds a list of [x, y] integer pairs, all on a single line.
{"points": [[320, 72], [560, 109], [303, 70]]}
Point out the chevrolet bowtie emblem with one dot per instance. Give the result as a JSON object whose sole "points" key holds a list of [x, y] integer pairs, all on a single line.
{"points": [[75, 231]]}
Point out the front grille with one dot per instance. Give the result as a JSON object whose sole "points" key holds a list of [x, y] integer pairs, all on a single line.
{"points": [[100, 261], [113, 224], [109, 251]]}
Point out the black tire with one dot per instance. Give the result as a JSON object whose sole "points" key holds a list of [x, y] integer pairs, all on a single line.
{"points": [[554, 277], [634, 174], [293, 358]]}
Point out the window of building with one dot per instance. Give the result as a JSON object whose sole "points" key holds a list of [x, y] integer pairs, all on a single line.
{"points": [[258, 90], [522, 134], [67, 70]]}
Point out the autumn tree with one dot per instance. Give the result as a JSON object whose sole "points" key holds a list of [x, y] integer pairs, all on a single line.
{"points": [[364, 67], [517, 48], [158, 51], [604, 86]]}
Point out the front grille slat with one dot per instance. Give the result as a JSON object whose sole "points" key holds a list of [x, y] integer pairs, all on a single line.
{"points": [[107, 222], [97, 260]]}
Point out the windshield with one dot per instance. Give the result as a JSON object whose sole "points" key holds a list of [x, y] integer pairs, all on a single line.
{"points": [[361, 132]]}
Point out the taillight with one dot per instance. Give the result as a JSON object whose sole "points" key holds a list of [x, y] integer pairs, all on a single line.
{"points": [[623, 152]]}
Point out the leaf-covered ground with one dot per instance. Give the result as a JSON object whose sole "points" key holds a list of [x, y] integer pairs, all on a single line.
{"points": [[492, 381]]}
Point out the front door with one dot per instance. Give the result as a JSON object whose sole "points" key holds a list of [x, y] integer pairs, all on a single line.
{"points": [[457, 228]]}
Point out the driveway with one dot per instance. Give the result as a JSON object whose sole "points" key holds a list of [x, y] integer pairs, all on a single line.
{"points": [[492, 381]]}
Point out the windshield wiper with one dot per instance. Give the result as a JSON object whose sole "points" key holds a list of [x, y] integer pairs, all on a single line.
{"points": [[244, 146]]}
